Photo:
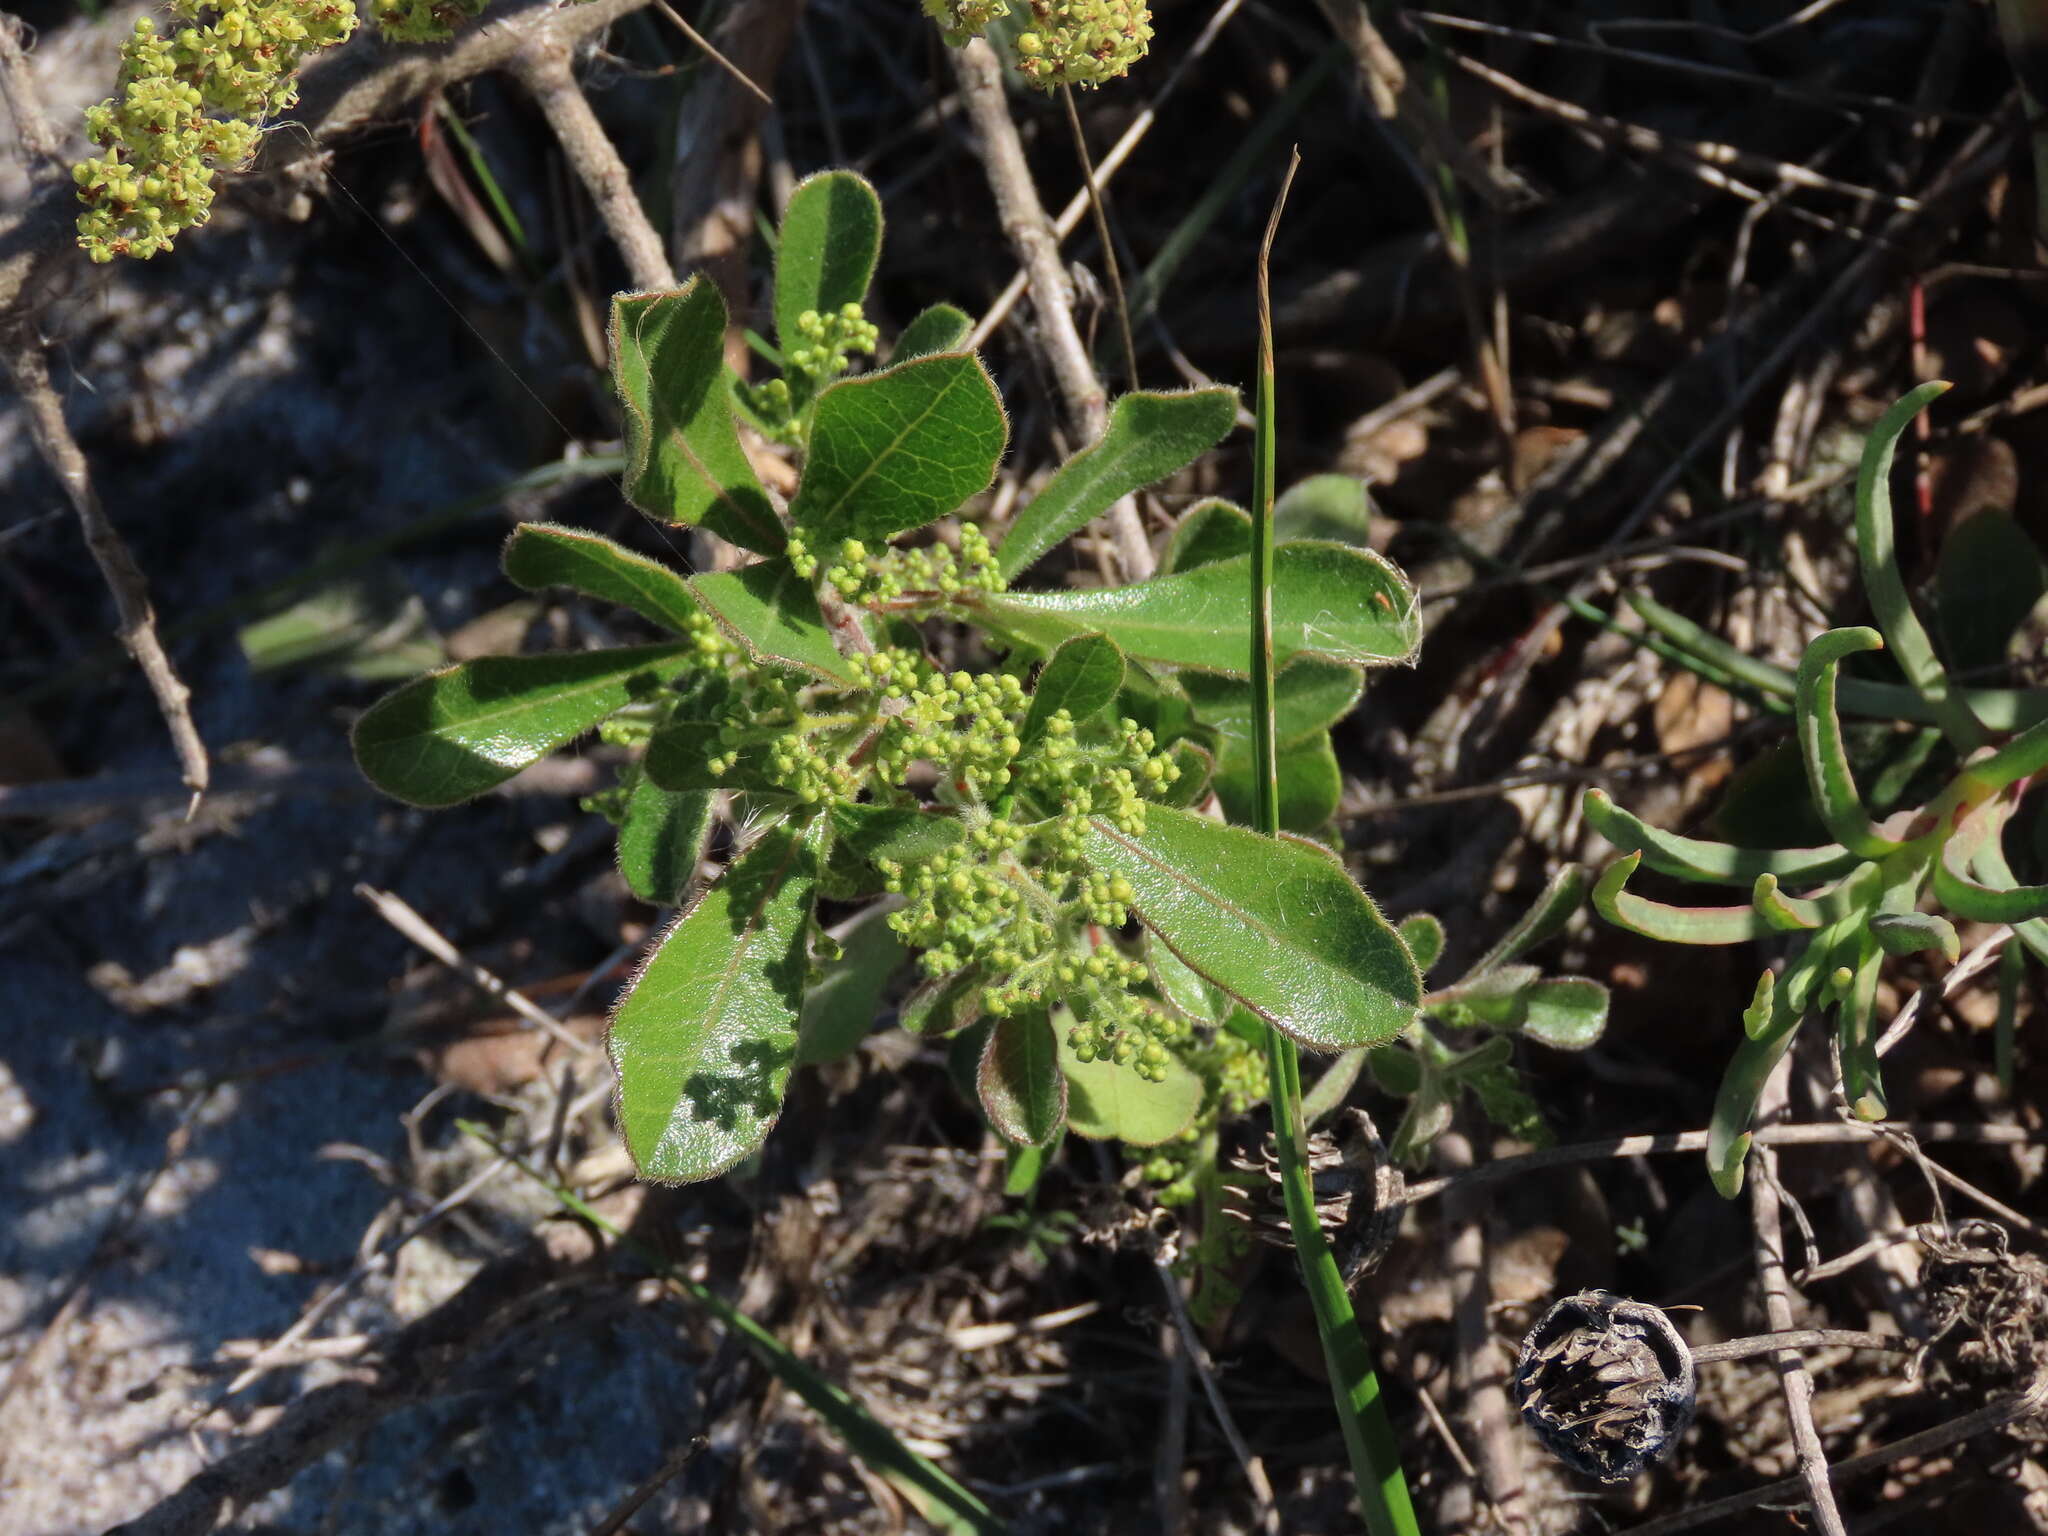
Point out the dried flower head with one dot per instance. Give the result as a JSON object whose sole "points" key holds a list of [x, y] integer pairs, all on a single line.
{"points": [[1606, 1383], [1358, 1194], [1987, 1315]]}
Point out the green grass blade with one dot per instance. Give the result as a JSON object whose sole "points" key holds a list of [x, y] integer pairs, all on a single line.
{"points": [[937, 1497], [1887, 589], [1368, 1436]]}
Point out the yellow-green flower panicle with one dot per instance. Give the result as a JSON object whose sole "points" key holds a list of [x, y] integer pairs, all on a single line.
{"points": [[1083, 42]]}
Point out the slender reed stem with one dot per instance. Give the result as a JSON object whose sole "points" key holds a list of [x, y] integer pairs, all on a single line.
{"points": [[1368, 1436], [1109, 261]]}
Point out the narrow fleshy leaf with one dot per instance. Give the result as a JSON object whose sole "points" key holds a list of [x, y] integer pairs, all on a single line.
{"points": [[1910, 933], [1856, 1035], [825, 255], [904, 834], [1990, 863], [1106, 1102], [1336, 604], [1082, 677], [1910, 646], [1545, 918], [1566, 1013], [841, 1007], [772, 613], [662, 840], [541, 555], [1956, 889], [2020, 758], [1674, 925], [943, 1005], [1022, 1088], [1828, 775], [449, 736], [1333, 507], [1987, 581], [1212, 529], [704, 1041], [894, 450], [1149, 436], [1716, 863], [1756, 1018], [1308, 698], [1728, 1133], [1278, 925], [941, 328], [1787, 914], [1424, 936], [684, 463]]}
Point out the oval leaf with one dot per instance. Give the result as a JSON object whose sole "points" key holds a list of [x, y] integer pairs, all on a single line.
{"points": [[449, 736], [1338, 604], [1333, 507], [942, 328], [1424, 936], [896, 449], [825, 258], [842, 1006], [1209, 531], [684, 463], [547, 555], [1019, 1081], [704, 1041], [1083, 676], [773, 614], [1149, 436], [1308, 697], [662, 839], [1566, 1013], [1109, 1102], [1276, 923]]}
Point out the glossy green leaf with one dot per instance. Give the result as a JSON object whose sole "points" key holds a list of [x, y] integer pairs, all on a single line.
{"points": [[1333, 507], [1561, 896], [1106, 1102], [541, 555], [1278, 925], [449, 736], [941, 328], [1716, 863], [1424, 936], [1308, 698], [1022, 1088], [1674, 925], [842, 1005], [704, 1041], [1566, 1013], [905, 834], [681, 751], [1909, 644], [1828, 775], [772, 614], [1210, 530], [825, 255], [1910, 933], [1987, 581], [1149, 436], [943, 1005], [1082, 677], [1336, 604], [1193, 996], [894, 450], [1310, 783], [1956, 889], [684, 463], [662, 840]]}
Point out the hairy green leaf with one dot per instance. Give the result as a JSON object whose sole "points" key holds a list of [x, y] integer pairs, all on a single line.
{"points": [[1333, 507], [1212, 529], [1566, 1013], [943, 1005], [662, 839], [1106, 1102], [1424, 936], [1332, 603], [547, 555], [825, 258], [900, 832], [1277, 924], [1082, 677], [896, 449], [704, 1042], [1309, 697], [684, 463], [842, 1005], [1022, 1088], [772, 613], [1149, 436], [1309, 781], [942, 328], [449, 736], [1187, 992]]}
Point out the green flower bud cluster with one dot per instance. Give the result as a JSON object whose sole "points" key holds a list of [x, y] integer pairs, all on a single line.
{"points": [[774, 411], [161, 148], [829, 342], [964, 725], [960, 20], [423, 21], [1087, 780], [1127, 1029], [973, 903], [893, 575], [1082, 42], [769, 723]]}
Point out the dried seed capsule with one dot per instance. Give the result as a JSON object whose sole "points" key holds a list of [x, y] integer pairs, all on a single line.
{"points": [[1606, 1383], [1358, 1195]]}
